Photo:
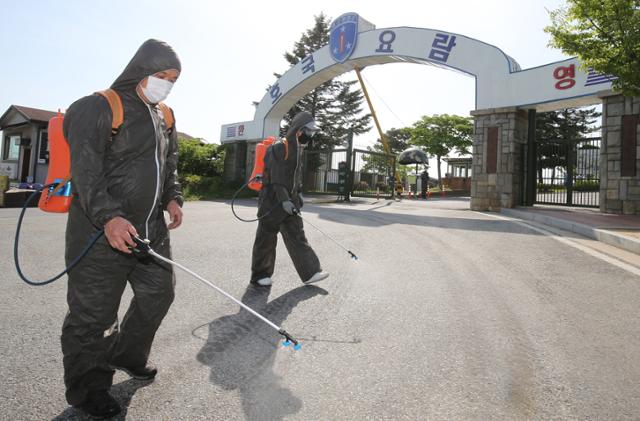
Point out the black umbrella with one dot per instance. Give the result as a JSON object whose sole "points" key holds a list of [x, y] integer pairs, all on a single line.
{"points": [[413, 156]]}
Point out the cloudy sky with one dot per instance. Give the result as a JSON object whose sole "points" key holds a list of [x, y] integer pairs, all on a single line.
{"points": [[55, 52]]}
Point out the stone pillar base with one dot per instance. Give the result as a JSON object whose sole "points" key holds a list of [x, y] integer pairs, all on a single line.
{"points": [[498, 152], [619, 155]]}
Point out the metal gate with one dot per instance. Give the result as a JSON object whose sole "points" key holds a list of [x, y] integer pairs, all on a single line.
{"points": [[568, 172], [320, 171], [348, 173], [373, 174]]}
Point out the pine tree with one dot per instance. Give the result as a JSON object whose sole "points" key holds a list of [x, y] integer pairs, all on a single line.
{"points": [[567, 125], [336, 105]]}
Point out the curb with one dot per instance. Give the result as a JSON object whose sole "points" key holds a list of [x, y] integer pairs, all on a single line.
{"points": [[315, 201], [332, 199], [603, 235]]}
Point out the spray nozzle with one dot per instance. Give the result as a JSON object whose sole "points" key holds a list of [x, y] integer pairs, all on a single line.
{"points": [[289, 340]]}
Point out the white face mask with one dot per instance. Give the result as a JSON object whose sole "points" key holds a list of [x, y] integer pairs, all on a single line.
{"points": [[157, 89]]}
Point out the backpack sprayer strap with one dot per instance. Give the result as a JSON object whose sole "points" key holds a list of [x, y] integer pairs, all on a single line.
{"points": [[117, 110], [169, 121]]}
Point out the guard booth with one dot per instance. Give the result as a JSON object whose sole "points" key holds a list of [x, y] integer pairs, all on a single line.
{"points": [[458, 175]]}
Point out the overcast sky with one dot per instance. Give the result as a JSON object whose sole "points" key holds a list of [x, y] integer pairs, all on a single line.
{"points": [[56, 52]]}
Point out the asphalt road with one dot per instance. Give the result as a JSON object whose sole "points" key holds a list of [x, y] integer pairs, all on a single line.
{"points": [[448, 314]]}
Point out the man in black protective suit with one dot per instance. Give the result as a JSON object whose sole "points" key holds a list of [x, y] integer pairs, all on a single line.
{"points": [[122, 182], [280, 202]]}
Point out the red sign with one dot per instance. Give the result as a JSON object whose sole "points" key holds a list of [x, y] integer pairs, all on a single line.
{"points": [[565, 76]]}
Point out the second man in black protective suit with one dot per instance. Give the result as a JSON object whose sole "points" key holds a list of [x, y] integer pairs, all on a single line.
{"points": [[279, 203]]}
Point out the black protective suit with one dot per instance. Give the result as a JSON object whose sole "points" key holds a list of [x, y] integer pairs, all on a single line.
{"points": [[282, 181], [133, 175]]}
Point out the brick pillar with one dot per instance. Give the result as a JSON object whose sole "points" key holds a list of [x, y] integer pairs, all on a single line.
{"points": [[498, 152], [619, 155]]}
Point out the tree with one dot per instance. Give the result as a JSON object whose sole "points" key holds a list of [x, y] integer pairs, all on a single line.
{"points": [[336, 105], [347, 113], [605, 35], [199, 158], [441, 134], [565, 126], [398, 140]]}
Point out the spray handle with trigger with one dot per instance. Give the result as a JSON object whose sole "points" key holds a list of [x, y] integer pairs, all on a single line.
{"points": [[142, 247]]}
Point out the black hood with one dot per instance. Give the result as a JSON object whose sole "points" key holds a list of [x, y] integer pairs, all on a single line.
{"points": [[297, 123], [152, 57]]}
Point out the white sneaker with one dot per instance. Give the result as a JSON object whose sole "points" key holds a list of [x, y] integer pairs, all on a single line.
{"points": [[317, 277], [264, 282]]}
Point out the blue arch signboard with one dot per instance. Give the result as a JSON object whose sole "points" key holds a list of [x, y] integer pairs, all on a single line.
{"points": [[356, 43]]}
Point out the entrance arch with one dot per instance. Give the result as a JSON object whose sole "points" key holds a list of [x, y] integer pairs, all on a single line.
{"points": [[503, 94], [500, 82]]}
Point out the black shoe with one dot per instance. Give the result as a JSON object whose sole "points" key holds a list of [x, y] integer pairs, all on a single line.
{"points": [[100, 405], [143, 372]]}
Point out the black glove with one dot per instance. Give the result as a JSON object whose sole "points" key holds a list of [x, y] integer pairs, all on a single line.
{"points": [[289, 207]]}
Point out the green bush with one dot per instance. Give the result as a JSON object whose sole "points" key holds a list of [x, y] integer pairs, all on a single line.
{"points": [[548, 188], [200, 168], [197, 187], [203, 159], [578, 185], [384, 187], [586, 185]]}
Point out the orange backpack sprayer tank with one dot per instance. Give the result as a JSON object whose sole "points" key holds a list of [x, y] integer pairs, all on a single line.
{"points": [[258, 167], [57, 198], [56, 194]]}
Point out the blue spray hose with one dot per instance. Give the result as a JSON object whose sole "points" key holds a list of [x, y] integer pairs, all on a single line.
{"points": [[75, 261]]}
